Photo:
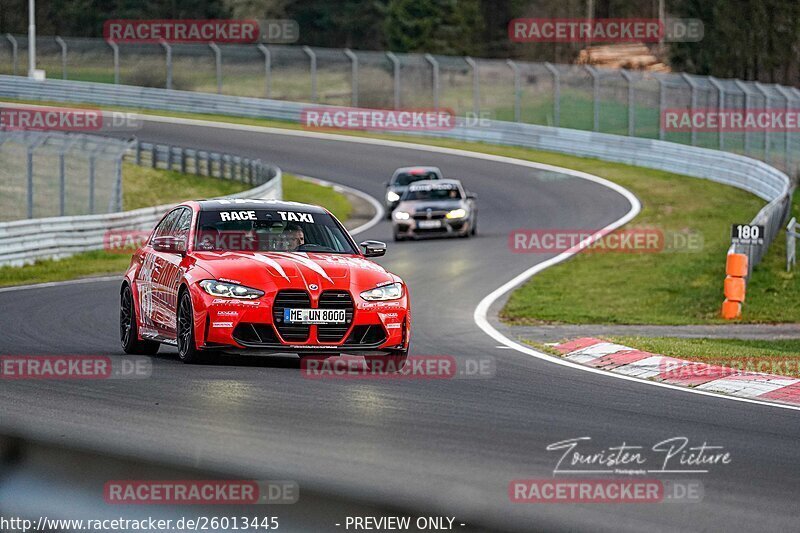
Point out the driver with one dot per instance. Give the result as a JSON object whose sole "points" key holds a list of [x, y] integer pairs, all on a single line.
{"points": [[294, 237]]}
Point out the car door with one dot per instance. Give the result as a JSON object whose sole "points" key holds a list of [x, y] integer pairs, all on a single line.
{"points": [[171, 273], [152, 299]]}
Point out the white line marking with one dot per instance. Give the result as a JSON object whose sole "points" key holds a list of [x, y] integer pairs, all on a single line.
{"points": [[481, 311], [59, 283]]}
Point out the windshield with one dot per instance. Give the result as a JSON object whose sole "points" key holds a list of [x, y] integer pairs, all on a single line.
{"points": [[270, 230], [445, 191], [405, 178]]}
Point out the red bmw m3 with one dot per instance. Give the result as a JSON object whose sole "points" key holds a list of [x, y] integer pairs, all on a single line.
{"points": [[261, 277]]}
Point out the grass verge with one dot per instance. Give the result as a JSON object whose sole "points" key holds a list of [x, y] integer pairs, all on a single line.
{"points": [[780, 357], [664, 288], [145, 187]]}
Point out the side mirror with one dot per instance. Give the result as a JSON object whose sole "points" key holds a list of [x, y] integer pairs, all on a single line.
{"points": [[373, 248], [170, 245], [472, 196]]}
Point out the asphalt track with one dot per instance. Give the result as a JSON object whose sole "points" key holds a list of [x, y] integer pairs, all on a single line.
{"points": [[431, 446]]}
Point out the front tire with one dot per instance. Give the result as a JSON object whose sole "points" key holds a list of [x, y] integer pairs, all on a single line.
{"points": [[129, 328], [187, 349]]}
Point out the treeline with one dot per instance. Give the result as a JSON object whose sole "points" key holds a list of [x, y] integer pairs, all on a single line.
{"points": [[750, 39]]}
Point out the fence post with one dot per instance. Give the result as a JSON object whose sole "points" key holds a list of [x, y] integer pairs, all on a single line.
{"points": [[30, 179], [631, 99], [168, 50], [63, 46], [154, 156], [556, 93], [267, 69], [661, 101], [796, 93], [115, 49], [693, 96], [595, 96], [476, 86], [517, 89], [746, 92], [14, 52], [62, 184], [138, 152], [721, 107], [117, 186], [91, 182], [396, 76], [217, 64], [766, 130], [312, 57], [787, 144], [353, 77], [183, 160], [435, 73]]}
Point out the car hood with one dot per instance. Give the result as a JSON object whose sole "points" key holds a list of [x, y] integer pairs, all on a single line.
{"points": [[438, 205], [263, 270]]}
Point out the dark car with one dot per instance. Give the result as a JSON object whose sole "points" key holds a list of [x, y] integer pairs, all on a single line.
{"points": [[401, 179]]}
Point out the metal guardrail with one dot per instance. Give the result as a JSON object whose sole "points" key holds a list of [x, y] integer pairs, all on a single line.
{"points": [[602, 100], [753, 176], [749, 174], [25, 241], [200, 162]]}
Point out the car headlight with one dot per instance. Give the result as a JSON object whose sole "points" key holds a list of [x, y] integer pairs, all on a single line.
{"points": [[392, 196], [386, 292], [401, 215], [223, 289], [457, 213]]}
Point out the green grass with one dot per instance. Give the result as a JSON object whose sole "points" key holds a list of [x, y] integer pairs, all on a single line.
{"points": [[297, 190], [773, 357], [674, 288], [677, 288], [144, 187], [97, 263]]}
